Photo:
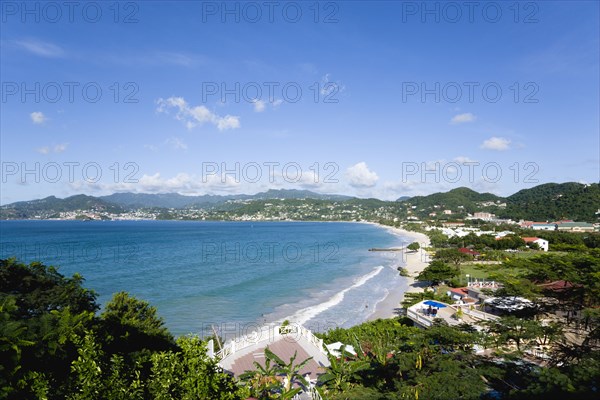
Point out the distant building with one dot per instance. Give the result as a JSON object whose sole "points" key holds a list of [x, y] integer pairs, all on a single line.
{"points": [[470, 252], [575, 226], [543, 243], [485, 216], [458, 293], [453, 224], [447, 212], [543, 227]]}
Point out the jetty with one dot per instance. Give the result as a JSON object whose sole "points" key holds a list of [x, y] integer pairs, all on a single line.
{"points": [[389, 249]]}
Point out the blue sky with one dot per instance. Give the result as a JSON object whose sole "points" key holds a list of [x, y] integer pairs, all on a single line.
{"points": [[373, 99]]}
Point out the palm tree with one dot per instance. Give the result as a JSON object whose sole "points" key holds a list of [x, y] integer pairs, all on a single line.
{"points": [[290, 371], [342, 370], [262, 380]]}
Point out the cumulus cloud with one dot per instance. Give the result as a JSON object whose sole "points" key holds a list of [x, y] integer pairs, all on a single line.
{"points": [[156, 183], [359, 176], [496, 143], [38, 117], [193, 116], [462, 118]]}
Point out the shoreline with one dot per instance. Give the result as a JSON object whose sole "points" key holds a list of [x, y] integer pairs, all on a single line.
{"points": [[414, 263]]}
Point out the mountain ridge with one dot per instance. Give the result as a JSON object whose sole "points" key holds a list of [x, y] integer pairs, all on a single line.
{"points": [[549, 201]]}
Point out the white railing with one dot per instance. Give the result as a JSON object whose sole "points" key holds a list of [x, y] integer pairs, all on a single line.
{"points": [[418, 318], [305, 333], [477, 314], [237, 344], [311, 392], [270, 332]]}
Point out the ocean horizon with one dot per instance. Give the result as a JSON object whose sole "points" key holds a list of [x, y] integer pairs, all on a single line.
{"points": [[230, 276]]}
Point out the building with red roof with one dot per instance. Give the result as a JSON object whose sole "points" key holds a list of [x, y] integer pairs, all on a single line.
{"points": [[542, 243]]}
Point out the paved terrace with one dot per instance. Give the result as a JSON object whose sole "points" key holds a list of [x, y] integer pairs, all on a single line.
{"points": [[239, 355], [418, 313]]}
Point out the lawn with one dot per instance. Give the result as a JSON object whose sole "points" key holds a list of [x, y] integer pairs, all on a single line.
{"points": [[480, 271]]}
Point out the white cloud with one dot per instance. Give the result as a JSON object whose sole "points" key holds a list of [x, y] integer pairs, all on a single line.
{"points": [[329, 87], [228, 122], [58, 148], [259, 105], [176, 143], [156, 183], [496, 143], [462, 118], [39, 48], [38, 117], [196, 116], [463, 159], [359, 176]]}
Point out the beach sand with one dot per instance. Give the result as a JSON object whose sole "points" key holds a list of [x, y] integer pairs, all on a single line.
{"points": [[414, 263]]}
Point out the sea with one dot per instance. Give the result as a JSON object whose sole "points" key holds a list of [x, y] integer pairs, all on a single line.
{"points": [[229, 277]]}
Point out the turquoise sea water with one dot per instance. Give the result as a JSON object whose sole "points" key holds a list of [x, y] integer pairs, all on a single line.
{"points": [[232, 275]]}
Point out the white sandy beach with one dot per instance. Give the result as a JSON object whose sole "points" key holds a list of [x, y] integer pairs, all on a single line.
{"points": [[414, 263]]}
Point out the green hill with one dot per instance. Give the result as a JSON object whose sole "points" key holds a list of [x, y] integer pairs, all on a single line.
{"points": [[555, 201], [51, 205], [452, 200]]}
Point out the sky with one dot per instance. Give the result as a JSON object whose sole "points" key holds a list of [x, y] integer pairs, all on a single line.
{"points": [[371, 99]]}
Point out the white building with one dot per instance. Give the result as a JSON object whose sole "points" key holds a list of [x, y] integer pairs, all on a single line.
{"points": [[543, 243]]}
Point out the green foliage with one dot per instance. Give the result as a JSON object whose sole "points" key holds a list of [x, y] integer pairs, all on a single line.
{"points": [[343, 373], [134, 325], [452, 200], [53, 346], [41, 312], [414, 246], [262, 382], [437, 238], [437, 272], [452, 256], [87, 372], [553, 201], [189, 374], [42, 289]]}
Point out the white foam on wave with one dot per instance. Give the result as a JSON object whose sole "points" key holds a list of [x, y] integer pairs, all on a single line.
{"points": [[302, 316], [386, 294]]}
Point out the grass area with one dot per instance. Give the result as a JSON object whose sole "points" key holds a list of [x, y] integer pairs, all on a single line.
{"points": [[527, 254], [481, 271], [475, 271]]}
